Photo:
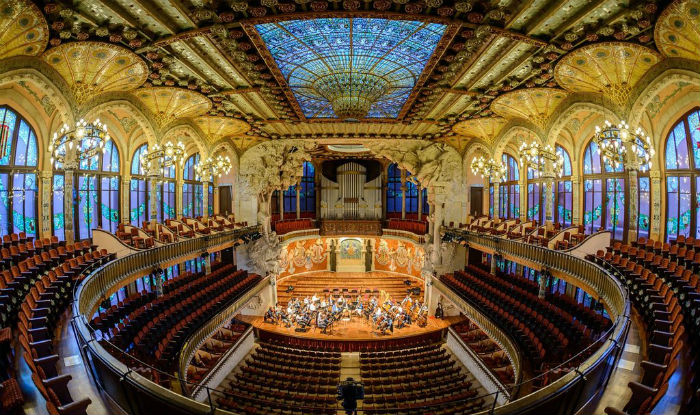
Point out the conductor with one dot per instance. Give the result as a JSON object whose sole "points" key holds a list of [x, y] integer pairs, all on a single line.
{"points": [[349, 392]]}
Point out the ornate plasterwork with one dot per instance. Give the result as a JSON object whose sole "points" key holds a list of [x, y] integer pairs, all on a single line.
{"points": [[610, 68], [264, 255], [215, 128], [677, 31], [485, 128], [93, 68], [23, 29], [535, 105], [167, 104], [135, 114]]}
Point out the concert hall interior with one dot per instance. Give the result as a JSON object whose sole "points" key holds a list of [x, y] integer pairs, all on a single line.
{"points": [[328, 207]]}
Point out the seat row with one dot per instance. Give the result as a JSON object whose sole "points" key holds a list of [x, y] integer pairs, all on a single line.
{"points": [[291, 225], [493, 356], [211, 351], [418, 227]]}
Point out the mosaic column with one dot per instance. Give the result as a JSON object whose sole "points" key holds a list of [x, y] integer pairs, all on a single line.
{"points": [[549, 202], [152, 199], [159, 284], [125, 194], [576, 200], [178, 198], [496, 198], [403, 194], [542, 285], [46, 199], [217, 207], [69, 203], [523, 197], [385, 184], [632, 205], [207, 264], [297, 188], [420, 201], [280, 199], [205, 199], [494, 263], [655, 226]]}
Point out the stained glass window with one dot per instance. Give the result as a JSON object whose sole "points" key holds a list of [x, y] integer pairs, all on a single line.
{"points": [[58, 191], [290, 200], [411, 196], [379, 59], [393, 191], [96, 188], [683, 178], [644, 205], [536, 200], [509, 190], [564, 199], [192, 190], [604, 190], [426, 204], [138, 190], [307, 193], [491, 200], [18, 179], [210, 199]]}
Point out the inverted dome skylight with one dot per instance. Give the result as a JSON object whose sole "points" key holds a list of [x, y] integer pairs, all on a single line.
{"points": [[351, 68]]}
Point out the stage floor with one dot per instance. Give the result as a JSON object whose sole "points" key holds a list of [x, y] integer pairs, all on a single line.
{"points": [[355, 329]]}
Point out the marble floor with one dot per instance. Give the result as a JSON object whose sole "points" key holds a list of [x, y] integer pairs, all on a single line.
{"points": [[71, 363]]}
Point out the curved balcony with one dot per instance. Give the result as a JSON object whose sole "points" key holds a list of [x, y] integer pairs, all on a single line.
{"points": [[139, 395]]}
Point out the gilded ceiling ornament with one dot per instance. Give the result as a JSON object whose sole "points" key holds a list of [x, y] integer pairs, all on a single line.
{"points": [[610, 68], [216, 128], [677, 31], [485, 128], [533, 104], [168, 103], [23, 29], [93, 68]]}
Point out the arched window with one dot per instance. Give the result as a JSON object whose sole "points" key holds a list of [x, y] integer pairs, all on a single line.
{"points": [[96, 187], [604, 194], [290, 199], [18, 179], [393, 189], [509, 190], [563, 198], [192, 189], [138, 190], [210, 199], [411, 196], [426, 205], [536, 201], [166, 203], [307, 195], [682, 160]]}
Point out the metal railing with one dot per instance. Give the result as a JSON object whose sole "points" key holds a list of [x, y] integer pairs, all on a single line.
{"points": [[581, 380]]}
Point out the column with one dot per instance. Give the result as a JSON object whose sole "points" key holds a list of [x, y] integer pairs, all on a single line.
{"points": [[217, 207], [632, 207], [205, 198], [494, 263], [297, 187], [385, 185], [544, 276], [420, 201], [280, 199], [522, 183], [496, 198], [68, 204], [178, 198], [655, 225], [153, 205], [403, 194], [46, 200], [125, 195], [548, 202], [518, 269], [576, 200], [318, 191], [273, 288], [466, 256], [207, 264], [159, 283]]}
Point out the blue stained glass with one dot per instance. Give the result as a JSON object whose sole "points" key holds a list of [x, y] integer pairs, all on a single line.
{"points": [[566, 167], [58, 217], [694, 127], [307, 50], [23, 137], [8, 120], [136, 160]]}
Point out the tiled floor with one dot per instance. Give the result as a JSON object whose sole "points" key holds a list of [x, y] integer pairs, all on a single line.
{"points": [[81, 386]]}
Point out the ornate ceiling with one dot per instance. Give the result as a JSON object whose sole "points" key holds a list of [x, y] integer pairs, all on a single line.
{"points": [[443, 70]]}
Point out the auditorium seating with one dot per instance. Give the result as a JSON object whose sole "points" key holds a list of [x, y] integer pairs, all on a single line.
{"points": [[154, 332], [488, 351], [36, 292], [211, 351], [421, 380], [544, 330], [664, 287], [414, 226], [291, 225], [283, 380]]}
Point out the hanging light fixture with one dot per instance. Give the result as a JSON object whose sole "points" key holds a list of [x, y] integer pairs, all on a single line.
{"points": [[541, 159], [619, 146], [88, 139], [488, 168], [156, 160], [213, 167]]}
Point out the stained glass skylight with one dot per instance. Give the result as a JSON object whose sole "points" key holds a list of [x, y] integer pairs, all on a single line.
{"points": [[351, 67]]}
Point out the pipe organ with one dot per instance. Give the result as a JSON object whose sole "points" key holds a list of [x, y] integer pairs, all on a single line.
{"points": [[351, 197]]}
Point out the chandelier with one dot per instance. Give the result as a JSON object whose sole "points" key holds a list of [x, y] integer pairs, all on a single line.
{"points": [[154, 162], [214, 167], [488, 168], [88, 139], [351, 94], [619, 146], [545, 160]]}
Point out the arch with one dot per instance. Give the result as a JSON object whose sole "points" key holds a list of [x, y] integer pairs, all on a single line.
{"points": [[190, 135], [511, 136], [132, 118], [509, 189], [192, 188], [19, 158]]}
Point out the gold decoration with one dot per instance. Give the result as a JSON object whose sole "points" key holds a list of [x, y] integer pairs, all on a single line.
{"points": [[458, 142], [93, 68], [216, 128], [677, 31], [611, 69], [244, 142], [485, 128], [533, 104], [23, 29], [169, 103]]}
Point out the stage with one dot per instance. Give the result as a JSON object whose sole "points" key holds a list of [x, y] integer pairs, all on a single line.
{"points": [[357, 329]]}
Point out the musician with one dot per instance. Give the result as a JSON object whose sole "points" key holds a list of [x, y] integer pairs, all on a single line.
{"points": [[270, 316], [406, 302], [439, 313], [314, 298]]}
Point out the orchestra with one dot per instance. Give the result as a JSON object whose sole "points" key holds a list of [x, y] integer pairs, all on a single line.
{"points": [[382, 314]]}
